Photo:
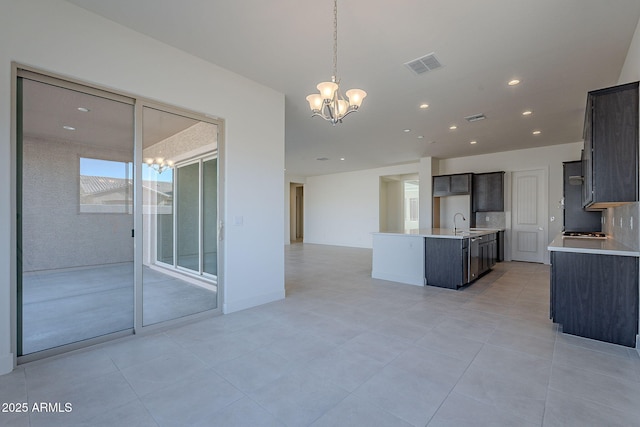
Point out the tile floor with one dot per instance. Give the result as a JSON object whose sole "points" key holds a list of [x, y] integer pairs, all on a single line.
{"points": [[346, 350]]}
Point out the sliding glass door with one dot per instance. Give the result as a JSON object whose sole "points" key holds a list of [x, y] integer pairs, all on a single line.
{"points": [[75, 155], [117, 224], [180, 206], [196, 218], [210, 217]]}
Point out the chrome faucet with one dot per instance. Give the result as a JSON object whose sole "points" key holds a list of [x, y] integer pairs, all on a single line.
{"points": [[455, 229]]}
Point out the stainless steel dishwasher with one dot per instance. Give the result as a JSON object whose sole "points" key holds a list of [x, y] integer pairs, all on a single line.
{"points": [[474, 257], [465, 261]]}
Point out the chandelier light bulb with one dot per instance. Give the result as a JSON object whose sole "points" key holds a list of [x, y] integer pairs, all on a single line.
{"points": [[315, 102], [327, 90], [355, 97]]}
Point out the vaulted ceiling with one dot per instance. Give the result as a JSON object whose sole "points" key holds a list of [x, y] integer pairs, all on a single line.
{"points": [[558, 49]]}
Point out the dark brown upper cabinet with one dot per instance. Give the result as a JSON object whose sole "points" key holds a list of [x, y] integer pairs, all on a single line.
{"points": [[610, 155], [488, 192], [451, 185]]}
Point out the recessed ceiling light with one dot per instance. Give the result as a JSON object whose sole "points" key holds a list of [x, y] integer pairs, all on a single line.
{"points": [[322, 159], [473, 142], [423, 106], [68, 127], [83, 109], [420, 136], [342, 158], [453, 127], [513, 82], [537, 132], [407, 130], [527, 113]]}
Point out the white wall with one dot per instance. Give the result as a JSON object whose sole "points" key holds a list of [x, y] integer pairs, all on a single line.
{"points": [[450, 206], [631, 69], [344, 209], [428, 167], [58, 37]]}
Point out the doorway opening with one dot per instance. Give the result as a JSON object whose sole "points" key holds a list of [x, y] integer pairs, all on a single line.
{"points": [[296, 213], [399, 202]]}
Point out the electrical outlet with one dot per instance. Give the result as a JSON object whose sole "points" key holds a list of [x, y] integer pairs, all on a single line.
{"points": [[631, 223], [621, 222]]}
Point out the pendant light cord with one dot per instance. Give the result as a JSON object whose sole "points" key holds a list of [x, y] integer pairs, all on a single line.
{"points": [[335, 40]]}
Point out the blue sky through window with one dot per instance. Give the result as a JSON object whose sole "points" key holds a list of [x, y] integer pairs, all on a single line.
{"points": [[106, 168]]}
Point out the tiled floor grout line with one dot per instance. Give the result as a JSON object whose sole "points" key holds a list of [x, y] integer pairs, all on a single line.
{"points": [[454, 386], [546, 395]]}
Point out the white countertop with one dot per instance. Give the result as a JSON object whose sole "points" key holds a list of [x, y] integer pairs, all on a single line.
{"points": [[446, 233], [606, 246]]}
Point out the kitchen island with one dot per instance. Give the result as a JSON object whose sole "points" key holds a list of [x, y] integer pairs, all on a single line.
{"points": [[594, 289], [435, 256]]}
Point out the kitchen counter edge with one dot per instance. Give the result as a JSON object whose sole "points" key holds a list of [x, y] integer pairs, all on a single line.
{"points": [[606, 246], [443, 233]]}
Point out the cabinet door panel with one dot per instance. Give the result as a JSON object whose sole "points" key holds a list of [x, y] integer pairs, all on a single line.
{"points": [[615, 124], [596, 296], [488, 192], [444, 262], [460, 184], [610, 155], [441, 185]]}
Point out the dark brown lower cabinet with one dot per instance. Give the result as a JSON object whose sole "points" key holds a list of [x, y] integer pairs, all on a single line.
{"points": [[595, 296], [446, 262]]}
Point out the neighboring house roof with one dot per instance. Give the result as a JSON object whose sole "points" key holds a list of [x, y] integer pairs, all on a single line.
{"points": [[93, 185]]}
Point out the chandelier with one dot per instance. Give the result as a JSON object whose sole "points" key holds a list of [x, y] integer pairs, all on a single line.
{"points": [[159, 164], [329, 103]]}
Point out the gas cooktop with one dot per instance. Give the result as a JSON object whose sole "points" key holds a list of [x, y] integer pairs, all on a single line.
{"points": [[584, 234]]}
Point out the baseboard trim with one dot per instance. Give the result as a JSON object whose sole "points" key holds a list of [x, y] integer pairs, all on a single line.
{"points": [[243, 304], [6, 363]]}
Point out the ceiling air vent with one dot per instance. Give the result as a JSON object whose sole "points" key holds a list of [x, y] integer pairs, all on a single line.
{"points": [[424, 64], [475, 118]]}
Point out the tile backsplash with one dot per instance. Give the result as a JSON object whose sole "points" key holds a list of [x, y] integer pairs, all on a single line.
{"points": [[622, 224], [490, 220]]}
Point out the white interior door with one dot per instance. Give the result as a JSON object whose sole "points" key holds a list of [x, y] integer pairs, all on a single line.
{"points": [[529, 215]]}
